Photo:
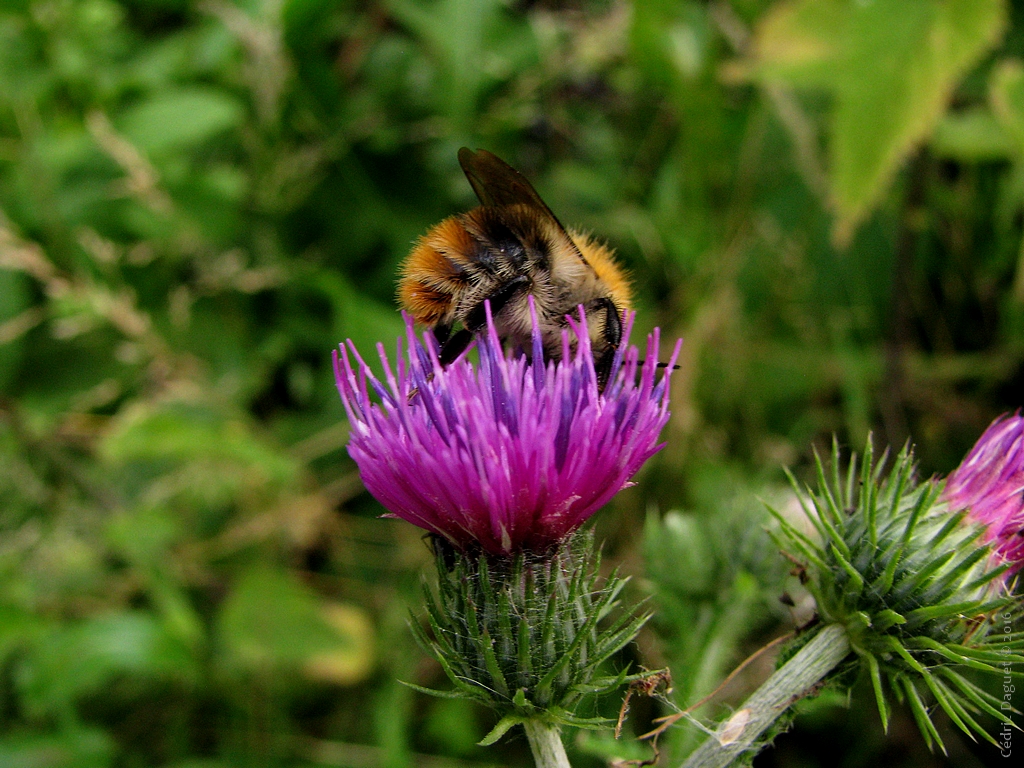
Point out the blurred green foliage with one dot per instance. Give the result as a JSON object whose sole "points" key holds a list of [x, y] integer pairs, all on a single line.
{"points": [[198, 199]]}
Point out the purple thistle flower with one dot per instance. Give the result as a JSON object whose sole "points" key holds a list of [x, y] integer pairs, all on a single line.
{"points": [[509, 455], [989, 483]]}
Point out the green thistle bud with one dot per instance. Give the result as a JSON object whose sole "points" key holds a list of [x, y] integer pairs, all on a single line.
{"points": [[522, 634], [911, 583]]}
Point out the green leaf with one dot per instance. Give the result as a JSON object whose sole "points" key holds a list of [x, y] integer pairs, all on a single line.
{"points": [[144, 535], [436, 693], [184, 117], [890, 66], [887, 618], [460, 35], [218, 447], [503, 726], [921, 716], [350, 658], [81, 657], [982, 699], [678, 553], [592, 723], [78, 747], [271, 620], [17, 626], [453, 726], [974, 135], [1006, 95], [876, 685], [15, 298]]}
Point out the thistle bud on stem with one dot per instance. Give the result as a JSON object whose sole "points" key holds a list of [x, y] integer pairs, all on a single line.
{"points": [[502, 462], [906, 587]]}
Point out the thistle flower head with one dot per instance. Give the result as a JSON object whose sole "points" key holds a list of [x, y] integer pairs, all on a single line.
{"points": [[511, 454], [989, 484]]}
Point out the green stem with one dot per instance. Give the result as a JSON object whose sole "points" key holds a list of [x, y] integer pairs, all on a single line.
{"points": [[546, 744], [789, 684]]}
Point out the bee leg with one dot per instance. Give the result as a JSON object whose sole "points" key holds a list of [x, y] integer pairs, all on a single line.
{"points": [[454, 346], [612, 331], [612, 334], [476, 319], [441, 333], [603, 367]]}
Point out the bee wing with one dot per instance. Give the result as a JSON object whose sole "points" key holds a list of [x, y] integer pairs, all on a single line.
{"points": [[497, 183]]}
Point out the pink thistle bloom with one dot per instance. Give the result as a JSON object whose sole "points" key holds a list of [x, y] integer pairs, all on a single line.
{"points": [[989, 483], [512, 454]]}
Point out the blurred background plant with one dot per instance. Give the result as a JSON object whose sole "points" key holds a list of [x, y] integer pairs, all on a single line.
{"points": [[198, 200]]}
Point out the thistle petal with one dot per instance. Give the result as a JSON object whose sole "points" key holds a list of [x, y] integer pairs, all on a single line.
{"points": [[989, 484]]}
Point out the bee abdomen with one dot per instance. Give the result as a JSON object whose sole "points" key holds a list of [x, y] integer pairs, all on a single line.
{"points": [[436, 272]]}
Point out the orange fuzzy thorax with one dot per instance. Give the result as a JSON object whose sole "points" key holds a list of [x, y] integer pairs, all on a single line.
{"points": [[440, 269], [602, 259]]}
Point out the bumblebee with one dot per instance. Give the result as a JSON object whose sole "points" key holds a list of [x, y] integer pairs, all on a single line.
{"points": [[510, 247]]}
